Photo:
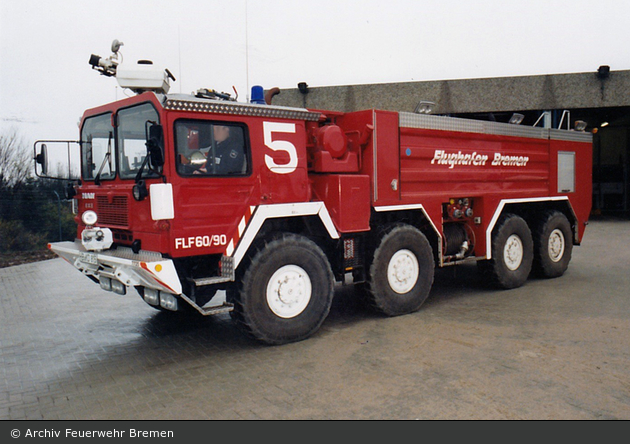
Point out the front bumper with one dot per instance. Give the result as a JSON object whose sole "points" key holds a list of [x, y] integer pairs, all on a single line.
{"points": [[146, 269]]}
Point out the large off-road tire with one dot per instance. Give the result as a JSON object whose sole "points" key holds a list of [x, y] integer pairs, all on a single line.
{"points": [[285, 292], [512, 253], [401, 272], [553, 244]]}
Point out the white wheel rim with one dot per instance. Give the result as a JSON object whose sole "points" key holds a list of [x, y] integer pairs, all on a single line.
{"points": [[403, 271], [289, 291], [513, 252], [555, 247]]}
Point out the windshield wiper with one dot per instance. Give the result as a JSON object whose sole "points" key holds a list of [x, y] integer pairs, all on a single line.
{"points": [[107, 158], [144, 163]]}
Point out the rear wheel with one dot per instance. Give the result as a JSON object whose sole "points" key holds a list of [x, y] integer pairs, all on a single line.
{"points": [[552, 245], [512, 253], [401, 273], [285, 292]]}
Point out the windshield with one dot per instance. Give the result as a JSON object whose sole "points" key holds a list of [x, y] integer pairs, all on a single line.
{"points": [[97, 147], [132, 127], [103, 151]]}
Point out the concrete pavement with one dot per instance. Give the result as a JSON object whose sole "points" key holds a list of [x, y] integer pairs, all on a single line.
{"points": [[553, 349]]}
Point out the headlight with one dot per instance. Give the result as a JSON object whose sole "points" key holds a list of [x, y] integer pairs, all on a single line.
{"points": [[140, 190], [89, 218]]}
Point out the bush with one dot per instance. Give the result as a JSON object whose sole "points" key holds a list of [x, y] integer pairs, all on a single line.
{"points": [[33, 210], [14, 237]]}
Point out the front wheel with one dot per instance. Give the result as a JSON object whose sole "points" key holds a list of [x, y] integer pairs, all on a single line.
{"points": [[286, 290], [401, 273]]}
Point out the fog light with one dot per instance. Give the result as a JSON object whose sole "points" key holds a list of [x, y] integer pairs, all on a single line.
{"points": [[168, 301], [89, 218], [118, 287], [151, 296], [106, 283]]}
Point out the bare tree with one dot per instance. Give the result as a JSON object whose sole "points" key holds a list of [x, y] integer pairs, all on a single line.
{"points": [[15, 160]]}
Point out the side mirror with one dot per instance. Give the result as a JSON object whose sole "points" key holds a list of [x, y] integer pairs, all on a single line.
{"points": [[155, 139], [71, 191], [57, 159], [156, 132], [156, 157], [42, 160]]}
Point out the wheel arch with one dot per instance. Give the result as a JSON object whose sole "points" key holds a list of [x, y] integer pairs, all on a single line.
{"points": [[414, 215], [308, 218]]}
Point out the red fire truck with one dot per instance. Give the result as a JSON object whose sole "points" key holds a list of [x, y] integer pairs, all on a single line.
{"points": [[180, 196]]}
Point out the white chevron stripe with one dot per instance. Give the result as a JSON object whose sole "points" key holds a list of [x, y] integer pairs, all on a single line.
{"points": [[241, 227], [230, 248]]}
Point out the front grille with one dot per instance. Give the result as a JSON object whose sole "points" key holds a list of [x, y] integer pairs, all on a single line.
{"points": [[114, 213]]}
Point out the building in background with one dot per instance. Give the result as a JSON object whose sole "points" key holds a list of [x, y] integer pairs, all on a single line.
{"points": [[600, 98]]}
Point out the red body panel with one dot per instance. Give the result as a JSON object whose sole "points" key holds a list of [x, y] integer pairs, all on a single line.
{"points": [[424, 180], [347, 197], [408, 166], [581, 198]]}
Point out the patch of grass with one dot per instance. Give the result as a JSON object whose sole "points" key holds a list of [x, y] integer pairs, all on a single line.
{"points": [[24, 257]]}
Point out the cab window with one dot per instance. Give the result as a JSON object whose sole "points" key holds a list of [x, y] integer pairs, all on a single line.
{"points": [[211, 148]]}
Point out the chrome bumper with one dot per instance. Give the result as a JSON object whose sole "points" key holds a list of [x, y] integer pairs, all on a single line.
{"points": [[146, 269]]}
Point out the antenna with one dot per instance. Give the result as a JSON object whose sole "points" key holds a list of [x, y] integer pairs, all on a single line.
{"points": [[246, 57], [179, 55]]}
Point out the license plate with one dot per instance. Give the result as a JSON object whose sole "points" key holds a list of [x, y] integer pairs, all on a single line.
{"points": [[89, 258]]}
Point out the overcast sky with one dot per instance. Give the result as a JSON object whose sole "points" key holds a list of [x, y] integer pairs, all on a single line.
{"points": [[46, 82]]}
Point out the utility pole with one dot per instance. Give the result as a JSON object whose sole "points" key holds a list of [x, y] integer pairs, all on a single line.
{"points": [[58, 213]]}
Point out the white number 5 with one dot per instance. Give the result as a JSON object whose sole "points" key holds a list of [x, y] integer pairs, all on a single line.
{"points": [[280, 145]]}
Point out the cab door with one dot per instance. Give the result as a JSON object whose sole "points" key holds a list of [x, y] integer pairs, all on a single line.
{"points": [[213, 184]]}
